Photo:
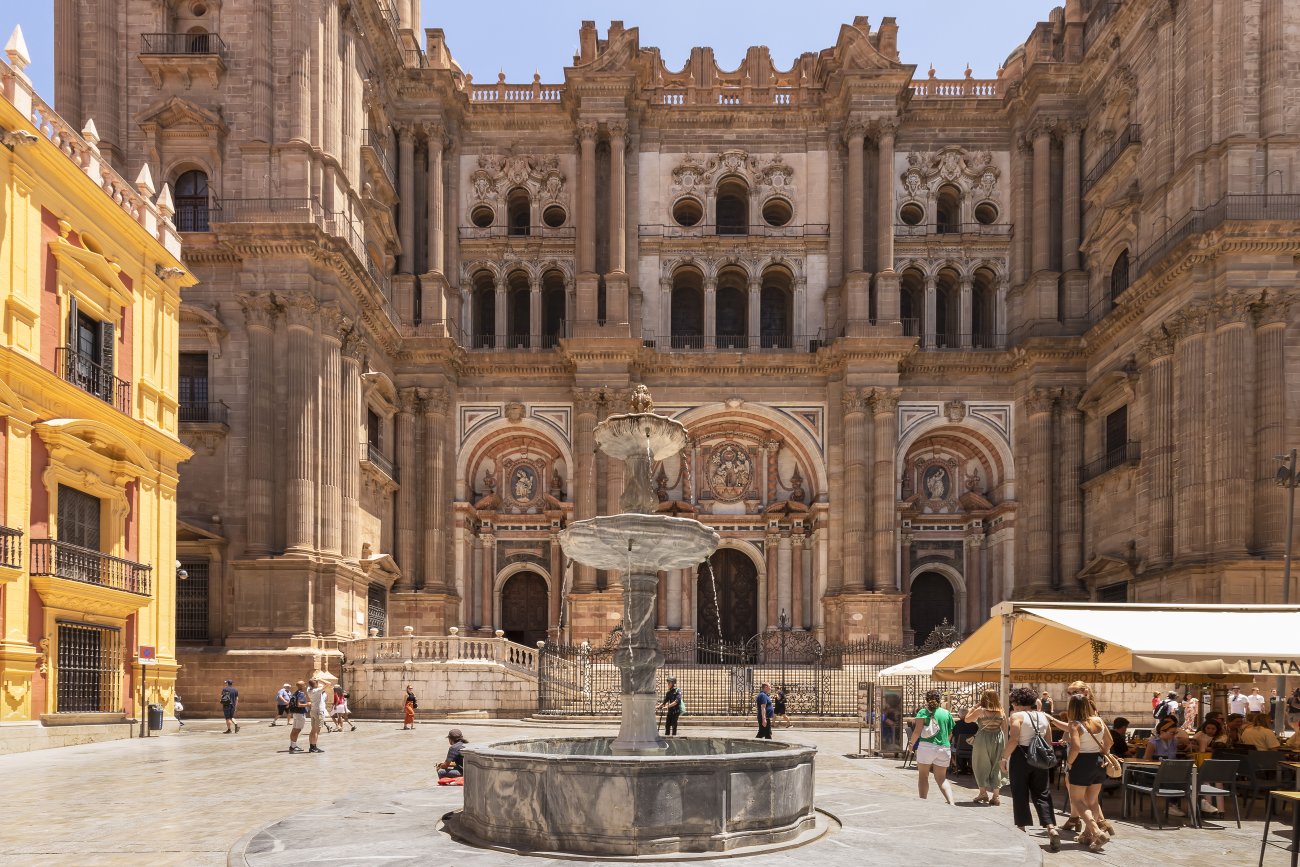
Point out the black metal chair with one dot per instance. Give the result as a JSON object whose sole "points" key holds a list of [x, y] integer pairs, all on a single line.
{"points": [[1259, 774], [962, 753], [1218, 777], [1172, 782]]}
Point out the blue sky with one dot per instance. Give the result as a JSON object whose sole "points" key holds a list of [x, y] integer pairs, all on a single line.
{"points": [[520, 36]]}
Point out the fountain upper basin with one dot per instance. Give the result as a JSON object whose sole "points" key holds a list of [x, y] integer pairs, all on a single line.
{"points": [[657, 542], [638, 433]]}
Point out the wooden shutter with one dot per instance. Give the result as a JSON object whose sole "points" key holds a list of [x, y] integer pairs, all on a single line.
{"points": [[106, 347]]}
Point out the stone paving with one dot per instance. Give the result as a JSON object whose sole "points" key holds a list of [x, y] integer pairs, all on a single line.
{"points": [[204, 798]]}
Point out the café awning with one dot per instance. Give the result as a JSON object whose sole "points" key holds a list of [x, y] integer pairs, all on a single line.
{"points": [[922, 666], [1063, 641]]}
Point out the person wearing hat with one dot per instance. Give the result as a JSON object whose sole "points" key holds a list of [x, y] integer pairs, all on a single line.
{"points": [[282, 705], [229, 701], [672, 706], [455, 764]]}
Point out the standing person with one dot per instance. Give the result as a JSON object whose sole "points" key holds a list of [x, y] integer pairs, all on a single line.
{"points": [[177, 707], [987, 746], [298, 711], [932, 734], [1089, 740], [1293, 710], [1027, 782], [672, 707], [1236, 701], [282, 705], [1167, 709], [342, 713], [316, 710], [454, 766], [1254, 701], [780, 708], [765, 706], [1045, 702], [1191, 712], [230, 701], [409, 704], [1155, 700]]}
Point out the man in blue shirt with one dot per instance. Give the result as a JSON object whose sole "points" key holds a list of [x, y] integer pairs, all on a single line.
{"points": [[766, 707], [229, 701]]}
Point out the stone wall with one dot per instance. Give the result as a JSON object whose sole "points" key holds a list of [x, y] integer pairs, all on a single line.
{"points": [[379, 689]]}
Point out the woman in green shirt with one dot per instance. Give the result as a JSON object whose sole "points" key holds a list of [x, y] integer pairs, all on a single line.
{"points": [[932, 734]]}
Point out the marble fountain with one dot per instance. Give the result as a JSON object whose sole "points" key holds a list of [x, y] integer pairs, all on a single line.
{"points": [[637, 795]]}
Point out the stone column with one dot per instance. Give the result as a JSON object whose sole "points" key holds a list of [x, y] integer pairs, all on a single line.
{"points": [[1071, 168], [854, 201], [434, 296], [965, 327], [587, 204], [617, 198], [351, 388], [1042, 228], [1036, 578], [586, 403], [771, 550], [334, 328], [260, 312], [406, 206], [302, 416], [688, 578], [474, 582], [884, 409], [796, 580], [1068, 495], [710, 312], [930, 322], [1271, 319], [1234, 406], [434, 405], [501, 330], [905, 540], [755, 308], [1189, 432], [487, 592], [1157, 450], [535, 314], [856, 462], [407, 509], [885, 194]]}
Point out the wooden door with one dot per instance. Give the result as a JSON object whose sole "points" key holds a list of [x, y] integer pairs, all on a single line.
{"points": [[731, 612], [524, 607]]}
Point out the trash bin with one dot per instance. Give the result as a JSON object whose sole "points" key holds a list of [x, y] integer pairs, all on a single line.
{"points": [[155, 717]]}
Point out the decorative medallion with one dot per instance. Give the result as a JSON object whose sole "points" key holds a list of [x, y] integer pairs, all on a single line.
{"points": [[522, 482], [730, 471]]}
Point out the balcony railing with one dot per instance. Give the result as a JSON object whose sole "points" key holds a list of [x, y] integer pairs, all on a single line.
{"points": [[193, 213], [90, 377], [948, 341], [902, 230], [11, 547], [50, 557], [204, 412], [1281, 206], [182, 43], [375, 141], [383, 464], [514, 341], [1131, 135], [762, 343], [1129, 453]]}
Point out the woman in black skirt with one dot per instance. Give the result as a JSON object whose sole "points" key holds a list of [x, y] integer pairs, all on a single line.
{"points": [[779, 712], [1089, 740]]}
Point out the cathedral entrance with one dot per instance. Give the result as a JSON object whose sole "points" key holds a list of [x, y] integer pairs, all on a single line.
{"points": [[734, 613], [933, 602], [524, 608]]}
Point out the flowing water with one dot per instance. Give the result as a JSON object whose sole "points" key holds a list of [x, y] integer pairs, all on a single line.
{"points": [[717, 620]]}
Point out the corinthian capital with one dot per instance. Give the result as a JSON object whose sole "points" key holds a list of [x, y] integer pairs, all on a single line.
{"points": [[885, 127], [434, 133], [618, 129], [1188, 322], [434, 401], [299, 309], [260, 309], [884, 401], [1040, 400], [1157, 344], [854, 129], [408, 399], [1042, 126], [333, 323], [587, 400], [855, 400], [1273, 309], [586, 131]]}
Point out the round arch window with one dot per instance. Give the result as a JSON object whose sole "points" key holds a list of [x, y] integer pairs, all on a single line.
{"points": [[482, 217], [553, 216], [986, 213], [777, 212], [687, 212], [911, 214]]}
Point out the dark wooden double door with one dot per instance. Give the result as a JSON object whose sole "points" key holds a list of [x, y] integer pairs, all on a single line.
{"points": [[726, 603], [525, 603]]}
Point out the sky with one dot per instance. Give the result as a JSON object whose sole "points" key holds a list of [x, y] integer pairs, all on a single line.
{"points": [[519, 37]]}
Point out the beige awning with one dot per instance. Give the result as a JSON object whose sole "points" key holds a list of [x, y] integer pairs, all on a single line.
{"points": [[1064, 641], [922, 666]]}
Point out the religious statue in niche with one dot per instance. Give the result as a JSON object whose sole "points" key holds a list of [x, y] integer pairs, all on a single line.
{"points": [[937, 484], [729, 471], [522, 480]]}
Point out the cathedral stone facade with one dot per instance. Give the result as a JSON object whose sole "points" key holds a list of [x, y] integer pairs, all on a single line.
{"points": [[938, 343]]}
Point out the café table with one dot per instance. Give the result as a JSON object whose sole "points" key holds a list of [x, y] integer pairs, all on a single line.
{"points": [[1291, 799], [1150, 766], [1292, 768]]}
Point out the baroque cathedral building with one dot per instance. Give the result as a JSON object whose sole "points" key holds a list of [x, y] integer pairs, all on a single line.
{"points": [[937, 343]]}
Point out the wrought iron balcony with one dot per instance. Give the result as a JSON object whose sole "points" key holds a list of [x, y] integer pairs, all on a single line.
{"points": [[1131, 135], [375, 141], [204, 412], [383, 464], [1129, 453], [90, 377], [182, 43], [50, 557], [11, 552]]}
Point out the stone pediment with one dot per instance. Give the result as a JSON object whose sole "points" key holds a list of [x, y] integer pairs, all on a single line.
{"points": [[855, 52], [620, 54], [175, 112]]}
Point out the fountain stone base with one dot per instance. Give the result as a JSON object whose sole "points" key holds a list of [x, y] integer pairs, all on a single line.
{"points": [[575, 795]]}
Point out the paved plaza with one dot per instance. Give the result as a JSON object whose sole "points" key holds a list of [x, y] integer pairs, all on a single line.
{"points": [[206, 798]]}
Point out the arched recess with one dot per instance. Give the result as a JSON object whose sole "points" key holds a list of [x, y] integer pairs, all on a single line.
{"points": [[553, 308], [729, 595], [483, 310], [947, 310], [981, 437], [518, 212], [687, 308], [492, 437], [732, 206], [947, 209], [800, 441], [952, 606], [191, 200], [776, 308], [911, 301], [518, 309], [518, 608], [731, 308], [984, 309]]}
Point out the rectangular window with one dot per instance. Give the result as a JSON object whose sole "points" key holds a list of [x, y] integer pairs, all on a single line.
{"points": [[372, 428], [89, 668], [376, 610], [1117, 432], [1113, 593], [78, 518], [88, 361], [193, 376], [192, 601]]}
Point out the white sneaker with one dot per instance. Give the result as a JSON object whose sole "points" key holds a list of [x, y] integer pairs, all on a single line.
{"points": [[1174, 811], [1209, 809]]}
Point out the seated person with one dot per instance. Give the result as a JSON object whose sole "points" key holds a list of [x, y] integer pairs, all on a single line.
{"points": [[1166, 740], [454, 766], [1236, 722], [1209, 736], [1257, 733], [1120, 747], [1215, 714], [1293, 742]]}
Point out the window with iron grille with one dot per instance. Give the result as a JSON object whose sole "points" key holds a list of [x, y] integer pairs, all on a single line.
{"points": [[1113, 592], [89, 668], [1117, 432], [193, 378], [78, 518], [192, 602], [372, 428], [377, 610]]}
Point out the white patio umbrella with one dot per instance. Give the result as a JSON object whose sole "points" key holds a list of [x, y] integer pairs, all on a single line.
{"points": [[922, 666]]}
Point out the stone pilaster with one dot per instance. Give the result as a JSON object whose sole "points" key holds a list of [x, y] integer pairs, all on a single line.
{"points": [[303, 413], [856, 462], [434, 405], [586, 402], [1042, 201], [334, 328], [1035, 579], [353, 347], [407, 510], [1234, 408], [884, 410], [1189, 453], [617, 201], [1271, 318], [796, 580], [406, 205], [885, 129], [434, 283], [587, 208], [854, 205], [260, 312], [486, 591], [1157, 451], [1071, 188], [771, 552], [1069, 536]]}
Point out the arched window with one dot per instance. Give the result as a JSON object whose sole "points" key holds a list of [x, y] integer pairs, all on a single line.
{"points": [[731, 310], [192, 202], [1119, 275], [553, 304], [947, 209], [947, 311], [518, 310], [687, 314], [518, 216], [776, 310], [912, 302], [984, 310], [933, 603], [733, 207], [484, 311]]}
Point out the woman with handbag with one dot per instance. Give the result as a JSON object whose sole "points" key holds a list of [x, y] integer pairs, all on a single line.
{"points": [[1028, 759], [1088, 763]]}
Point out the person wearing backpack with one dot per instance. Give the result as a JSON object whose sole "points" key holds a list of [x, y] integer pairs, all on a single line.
{"points": [[298, 711], [229, 701], [1167, 708], [1028, 759], [672, 707]]}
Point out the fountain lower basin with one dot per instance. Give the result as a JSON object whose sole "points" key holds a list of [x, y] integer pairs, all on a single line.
{"points": [[575, 795]]}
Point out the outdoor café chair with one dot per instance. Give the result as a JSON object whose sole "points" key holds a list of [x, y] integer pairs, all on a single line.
{"points": [[1259, 772], [1172, 782], [1219, 777]]}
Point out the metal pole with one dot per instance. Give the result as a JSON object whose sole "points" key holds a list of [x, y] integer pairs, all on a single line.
{"points": [[1279, 709]]}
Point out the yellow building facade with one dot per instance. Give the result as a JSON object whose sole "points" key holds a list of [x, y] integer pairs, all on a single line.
{"points": [[91, 280]]}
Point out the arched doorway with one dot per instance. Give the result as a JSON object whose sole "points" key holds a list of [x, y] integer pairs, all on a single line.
{"points": [[524, 607], [734, 613], [933, 601]]}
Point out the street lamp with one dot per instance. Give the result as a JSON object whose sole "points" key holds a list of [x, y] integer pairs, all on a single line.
{"points": [[1286, 478]]}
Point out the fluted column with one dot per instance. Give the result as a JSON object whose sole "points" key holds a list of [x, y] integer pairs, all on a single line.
{"points": [[1042, 196], [1157, 450], [587, 201], [710, 312], [434, 406], [796, 579], [885, 129], [1068, 493], [260, 312], [334, 327], [930, 322], [407, 510], [688, 577], [884, 411], [262, 66], [755, 311], [1234, 405], [770, 553], [854, 202], [617, 199], [1036, 576], [406, 207], [486, 591], [302, 415], [965, 313], [1271, 318], [535, 314], [500, 325], [1071, 169], [434, 136], [1189, 433], [351, 389], [586, 402], [856, 468]]}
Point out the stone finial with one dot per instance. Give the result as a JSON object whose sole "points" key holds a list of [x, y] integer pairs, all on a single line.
{"points": [[641, 400], [453, 631], [409, 630], [166, 205], [374, 631], [16, 48], [500, 633], [144, 182], [90, 133]]}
